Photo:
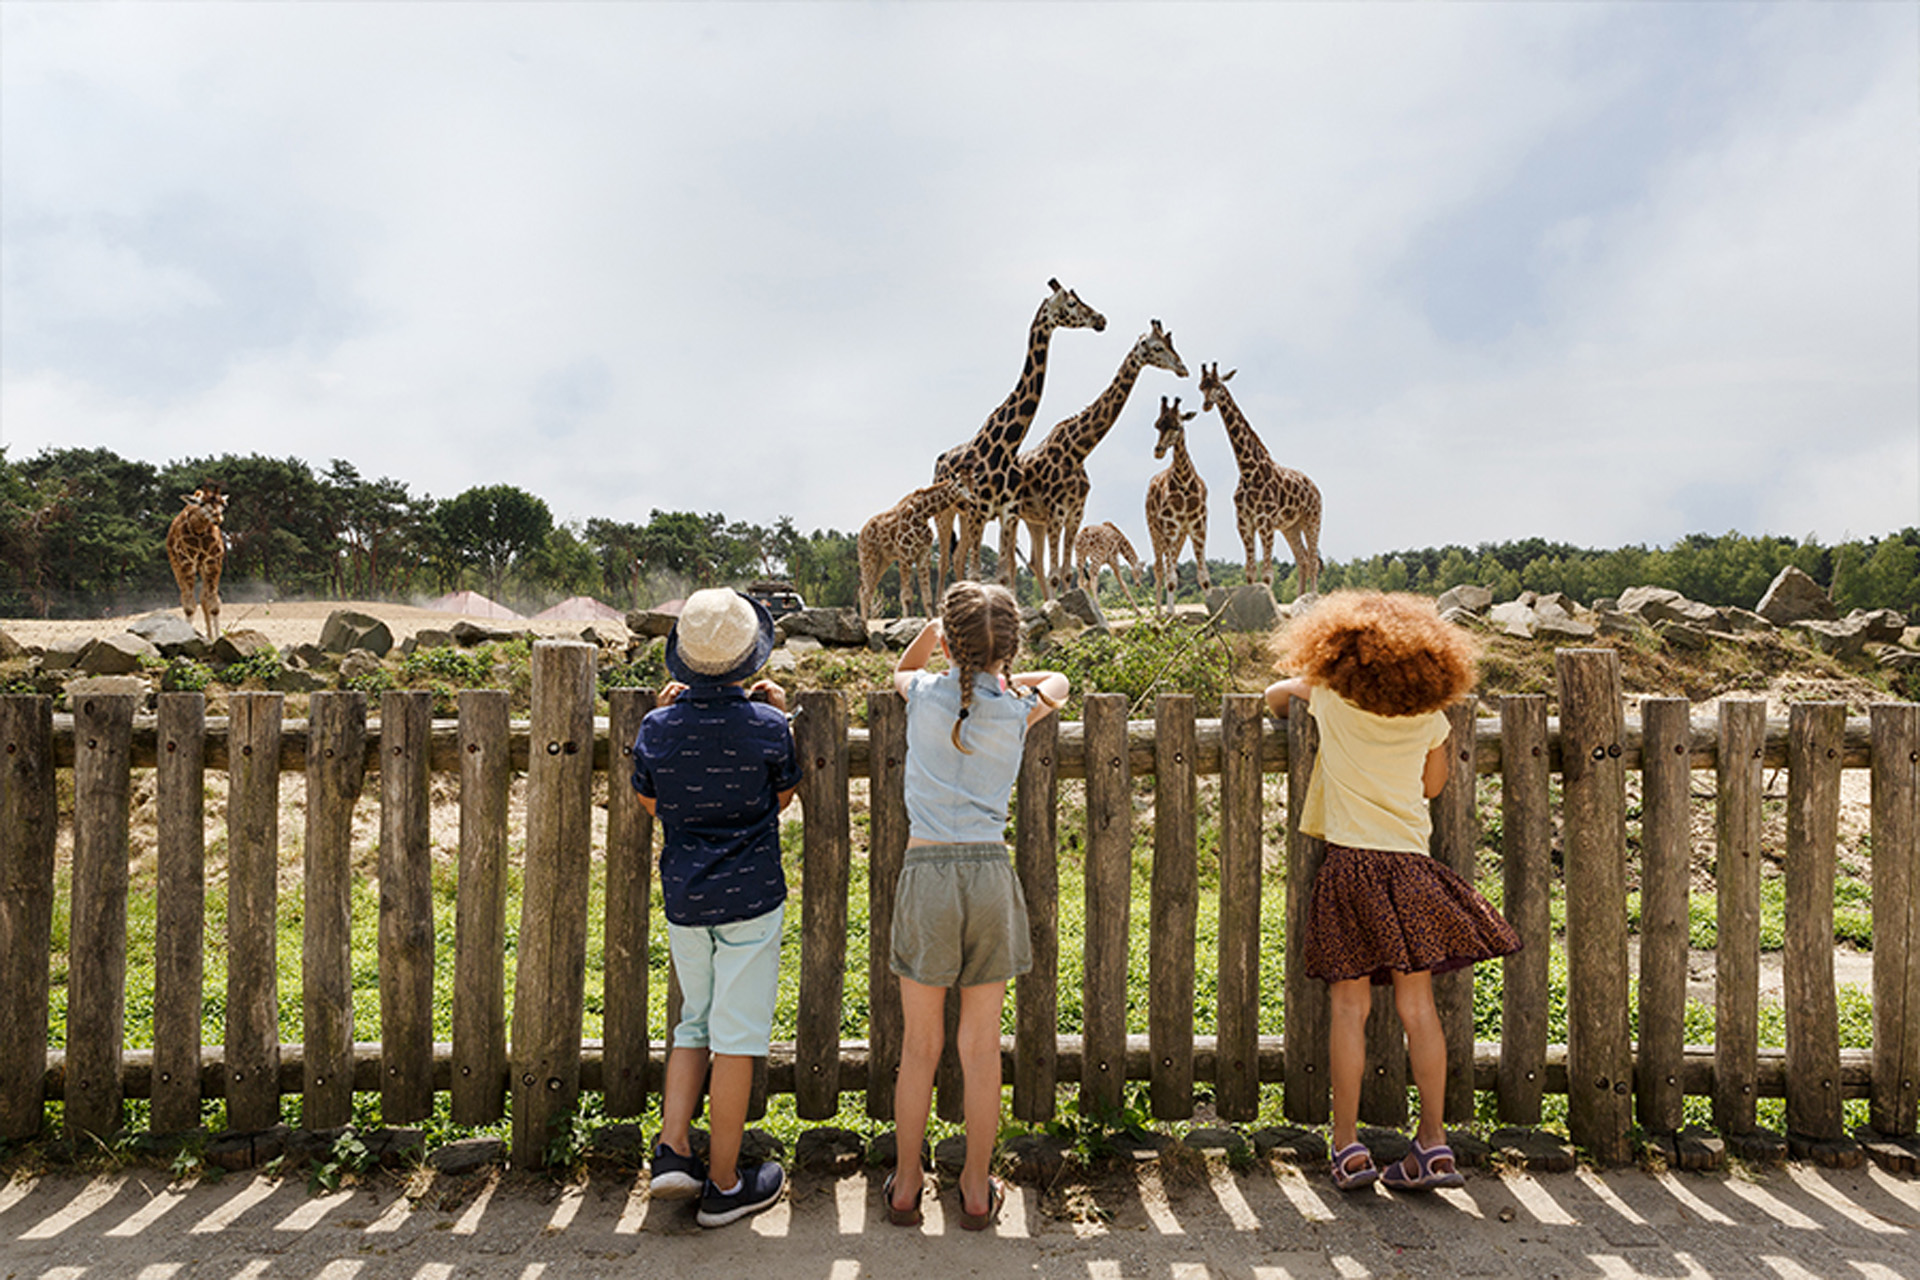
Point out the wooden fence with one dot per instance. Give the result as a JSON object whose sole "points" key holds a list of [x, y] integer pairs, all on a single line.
{"points": [[534, 1054]]}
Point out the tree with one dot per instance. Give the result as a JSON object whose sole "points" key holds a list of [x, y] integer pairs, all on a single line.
{"points": [[491, 527]]}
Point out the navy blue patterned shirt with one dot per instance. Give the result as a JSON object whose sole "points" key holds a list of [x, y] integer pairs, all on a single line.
{"points": [[715, 764]]}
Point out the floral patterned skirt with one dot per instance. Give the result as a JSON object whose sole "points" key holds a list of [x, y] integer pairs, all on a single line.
{"points": [[1376, 913]]}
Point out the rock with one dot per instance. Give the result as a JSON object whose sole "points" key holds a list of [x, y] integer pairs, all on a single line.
{"points": [[94, 686], [238, 646], [305, 655], [357, 665], [652, 622], [1061, 622], [1879, 626], [1845, 639], [345, 630], [623, 1140], [1679, 635], [1459, 617], [1793, 596], [395, 1148], [1473, 599], [1245, 608], [10, 648], [831, 1151], [1555, 601], [1215, 1139], [1611, 622], [63, 653], [429, 638], [1532, 1150], [1085, 608], [608, 635], [1660, 604], [1558, 625], [468, 1155], [801, 646], [468, 634], [1036, 1158], [116, 655], [781, 662], [1514, 619], [899, 633], [829, 626], [1745, 622], [1890, 658], [170, 633], [298, 680], [1291, 1144]]}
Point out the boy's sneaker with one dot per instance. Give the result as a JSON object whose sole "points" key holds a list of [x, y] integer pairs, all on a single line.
{"points": [[759, 1187], [672, 1176]]}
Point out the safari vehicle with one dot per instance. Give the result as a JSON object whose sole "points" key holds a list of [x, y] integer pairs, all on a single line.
{"points": [[779, 597]]}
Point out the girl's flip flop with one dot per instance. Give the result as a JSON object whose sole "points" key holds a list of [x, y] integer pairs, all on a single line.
{"points": [[1429, 1177], [996, 1195], [903, 1217], [1352, 1179]]}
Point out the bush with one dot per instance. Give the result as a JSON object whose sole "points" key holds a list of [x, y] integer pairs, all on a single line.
{"points": [[1150, 657]]}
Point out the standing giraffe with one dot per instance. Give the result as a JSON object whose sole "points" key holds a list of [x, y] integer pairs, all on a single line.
{"points": [[1268, 496], [1176, 506], [1053, 475], [197, 551], [994, 448], [901, 533], [1103, 545]]}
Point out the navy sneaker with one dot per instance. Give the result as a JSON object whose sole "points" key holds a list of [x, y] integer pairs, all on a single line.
{"points": [[672, 1176], [759, 1187]]}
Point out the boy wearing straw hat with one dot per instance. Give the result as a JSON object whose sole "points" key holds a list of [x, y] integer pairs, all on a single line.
{"points": [[716, 764]]}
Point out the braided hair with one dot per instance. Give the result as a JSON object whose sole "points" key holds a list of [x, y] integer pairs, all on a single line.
{"points": [[981, 622]]}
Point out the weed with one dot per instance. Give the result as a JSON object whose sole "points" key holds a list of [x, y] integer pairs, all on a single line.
{"points": [[348, 1158]]}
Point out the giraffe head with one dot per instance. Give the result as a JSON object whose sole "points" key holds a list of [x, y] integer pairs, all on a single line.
{"points": [[208, 498], [1065, 310], [1213, 386], [1171, 424], [1156, 348]]}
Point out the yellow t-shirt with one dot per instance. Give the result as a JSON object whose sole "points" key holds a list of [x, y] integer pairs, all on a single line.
{"points": [[1366, 791]]}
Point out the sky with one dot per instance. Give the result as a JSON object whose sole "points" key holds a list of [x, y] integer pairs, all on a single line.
{"points": [[1598, 273]]}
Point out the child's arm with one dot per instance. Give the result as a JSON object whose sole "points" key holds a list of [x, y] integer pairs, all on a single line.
{"points": [[1281, 693], [915, 658], [1052, 686], [1433, 774]]}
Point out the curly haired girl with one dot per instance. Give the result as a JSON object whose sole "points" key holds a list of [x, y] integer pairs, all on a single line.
{"points": [[1376, 671]]}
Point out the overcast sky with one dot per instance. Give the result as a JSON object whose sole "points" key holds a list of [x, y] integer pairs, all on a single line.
{"points": [[1598, 273]]}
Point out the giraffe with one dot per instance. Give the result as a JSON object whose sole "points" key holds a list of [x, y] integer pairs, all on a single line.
{"points": [[1103, 545], [901, 533], [1053, 475], [197, 550], [995, 447], [1176, 506], [1268, 496]]}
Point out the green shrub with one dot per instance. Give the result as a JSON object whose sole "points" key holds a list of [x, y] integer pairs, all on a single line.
{"points": [[1149, 658]]}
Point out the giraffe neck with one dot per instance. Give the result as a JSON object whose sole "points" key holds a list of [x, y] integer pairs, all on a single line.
{"points": [[1181, 474], [922, 503], [1247, 449], [1079, 434], [1010, 421]]}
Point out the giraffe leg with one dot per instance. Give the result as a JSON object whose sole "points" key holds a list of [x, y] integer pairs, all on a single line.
{"points": [[210, 595], [1037, 537], [185, 578], [1304, 560], [1200, 557]]}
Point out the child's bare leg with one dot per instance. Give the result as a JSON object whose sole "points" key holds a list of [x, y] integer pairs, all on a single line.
{"points": [[727, 1099], [1426, 1052], [1350, 1002], [686, 1070], [979, 1044], [923, 1034]]}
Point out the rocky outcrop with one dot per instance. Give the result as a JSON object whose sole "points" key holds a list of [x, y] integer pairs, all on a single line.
{"points": [[118, 655], [1466, 597], [1662, 604], [171, 634], [468, 634], [346, 630], [1247, 608], [841, 626], [1795, 597], [238, 646], [651, 622]]}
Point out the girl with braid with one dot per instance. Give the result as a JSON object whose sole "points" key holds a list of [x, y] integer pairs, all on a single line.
{"points": [[959, 918]]}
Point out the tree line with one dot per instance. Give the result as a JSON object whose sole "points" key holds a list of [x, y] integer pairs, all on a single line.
{"points": [[83, 532]]}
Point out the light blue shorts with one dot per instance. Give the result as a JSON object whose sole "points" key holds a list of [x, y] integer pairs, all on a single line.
{"points": [[729, 978]]}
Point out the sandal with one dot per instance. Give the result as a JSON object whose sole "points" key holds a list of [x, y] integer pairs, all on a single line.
{"points": [[903, 1217], [1350, 1179], [1425, 1158], [996, 1196]]}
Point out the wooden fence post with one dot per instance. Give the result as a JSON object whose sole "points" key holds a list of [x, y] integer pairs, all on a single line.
{"points": [[97, 945], [406, 906], [480, 909], [1456, 843], [180, 893], [1896, 917], [1103, 1073], [29, 823], [550, 977], [1526, 849], [1815, 734], [1175, 906], [886, 850], [1736, 875], [253, 877], [1237, 1055], [1599, 1049], [1035, 995], [820, 732], [336, 769], [629, 900], [1666, 753], [1307, 1008]]}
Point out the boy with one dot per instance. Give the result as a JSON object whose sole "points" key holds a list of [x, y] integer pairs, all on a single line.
{"points": [[716, 765]]}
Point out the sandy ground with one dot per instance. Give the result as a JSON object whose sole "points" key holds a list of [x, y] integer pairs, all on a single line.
{"points": [[1267, 1224]]}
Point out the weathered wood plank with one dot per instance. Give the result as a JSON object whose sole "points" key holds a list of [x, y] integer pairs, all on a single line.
{"points": [[820, 735], [29, 824], [1665, 845], [1599, 1053], [1736, 956], [886, 850], [1896, 917], [1813, 834], [480, 910], [97, 939], [253, 876], [336, 770], [1526, 851], [1175, 905], [629, 897], [1109, 893], [1456, 842], [406, 907], [1242, 716], [180, 892], [1035, 995], [1306, 1099]]}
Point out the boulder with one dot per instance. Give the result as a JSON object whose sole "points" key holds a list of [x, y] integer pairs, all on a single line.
{"points": [[1557, 624], [116, 655], [1682, 635], [1793, 596], [1061, 622], [1514, 619], [357, 665], [10, 648], [840, 626], [1248, 607], [469, 634], [1745, 621], [171, 634], [1077, 602], [467, 1155], [1661, 604], [781, 662], [305, 655], [651, 622], [1467, 596], [1612, 622], [428, 638], [1844, 639], [63, 653], [899, 633], [238, 646], [1556, 600], [1880, 626], [298, 680], [345, 630], [801, 646], [94, 686]]}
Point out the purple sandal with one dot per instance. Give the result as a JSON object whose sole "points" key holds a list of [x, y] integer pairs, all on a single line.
{"points": [[1428, 1178], [1353, 1179]]}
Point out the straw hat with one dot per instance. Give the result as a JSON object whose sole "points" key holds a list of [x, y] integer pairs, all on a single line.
{"points": [[722, 637]]}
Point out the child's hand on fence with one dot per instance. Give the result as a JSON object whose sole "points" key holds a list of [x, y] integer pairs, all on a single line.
{"points": [[669, 693], [770, 693]]}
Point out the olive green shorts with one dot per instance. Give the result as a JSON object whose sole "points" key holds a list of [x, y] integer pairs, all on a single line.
{"points": [[959, 917]]}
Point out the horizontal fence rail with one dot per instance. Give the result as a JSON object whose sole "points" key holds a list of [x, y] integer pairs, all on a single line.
{"points": [[531, 1061]]}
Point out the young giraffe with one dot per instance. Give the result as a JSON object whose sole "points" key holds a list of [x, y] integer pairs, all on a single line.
{"points": [[1102, 545], [1053, 475], [1268, 496], [995, 447], [901, 533], [1176, 506], [197, 551]]}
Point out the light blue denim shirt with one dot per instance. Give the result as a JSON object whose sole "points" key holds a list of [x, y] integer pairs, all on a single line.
{"points": [[954, 797]]}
